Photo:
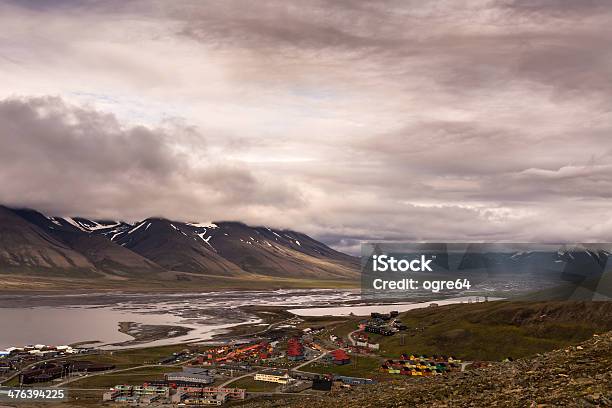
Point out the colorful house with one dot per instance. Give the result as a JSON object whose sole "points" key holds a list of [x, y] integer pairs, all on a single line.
{"points": [[339, 357], [295, 349]]}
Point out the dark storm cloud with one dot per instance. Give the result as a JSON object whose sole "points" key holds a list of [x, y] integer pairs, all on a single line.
{"points": [[69, 160], [46, 132]]}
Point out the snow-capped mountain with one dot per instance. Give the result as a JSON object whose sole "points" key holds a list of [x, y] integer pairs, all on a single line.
{"points": [[89, 238], [155, 245]]}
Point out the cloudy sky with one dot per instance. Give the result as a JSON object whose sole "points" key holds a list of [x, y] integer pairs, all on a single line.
{"points": [[347, 120]]}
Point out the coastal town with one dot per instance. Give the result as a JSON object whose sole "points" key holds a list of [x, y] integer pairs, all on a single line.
{"points": [[296, 358]]}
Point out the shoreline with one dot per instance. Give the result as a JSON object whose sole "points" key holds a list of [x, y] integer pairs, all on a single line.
{"points": [[12, 284], [207, 322]]}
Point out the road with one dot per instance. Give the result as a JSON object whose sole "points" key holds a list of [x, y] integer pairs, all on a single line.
{"points": [[350, 336], [231, 380], [297, 368]]}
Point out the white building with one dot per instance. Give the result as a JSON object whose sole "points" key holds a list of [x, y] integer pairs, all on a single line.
{"points": [[273, 376]]}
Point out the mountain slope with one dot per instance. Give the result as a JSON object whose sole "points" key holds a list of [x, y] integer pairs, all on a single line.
{"points": [[232, 249], [279, 253], [105, 255], [170, 245], [25, 248]]}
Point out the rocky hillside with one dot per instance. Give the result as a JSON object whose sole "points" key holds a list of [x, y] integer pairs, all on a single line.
{"points": [[576, 376]]}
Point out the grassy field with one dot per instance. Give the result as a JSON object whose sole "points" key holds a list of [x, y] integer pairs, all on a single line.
{"points": [[344, 328], [60, 282], [251, 385], [131, 377], [134, 357], [360, 366], [12, 383], [490, 331], [496, 330]]}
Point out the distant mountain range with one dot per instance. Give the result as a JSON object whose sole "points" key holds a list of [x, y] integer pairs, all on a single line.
{"points": [[32, 243]]}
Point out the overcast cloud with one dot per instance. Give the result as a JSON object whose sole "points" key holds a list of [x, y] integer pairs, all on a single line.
{"points": [[347, 120]]}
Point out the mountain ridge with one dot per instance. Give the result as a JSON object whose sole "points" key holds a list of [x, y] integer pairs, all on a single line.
{"points": [[162, 248]]}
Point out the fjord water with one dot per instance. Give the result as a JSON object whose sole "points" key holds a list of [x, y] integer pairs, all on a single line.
{"points": [[94, 317], [70, 318]]}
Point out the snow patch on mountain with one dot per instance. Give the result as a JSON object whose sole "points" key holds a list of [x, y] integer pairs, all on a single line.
{"points": [[72, 222], [202, 224], [136, 228]]}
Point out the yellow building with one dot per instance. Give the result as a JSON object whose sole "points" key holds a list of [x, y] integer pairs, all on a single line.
{"points": [[273, 376]]}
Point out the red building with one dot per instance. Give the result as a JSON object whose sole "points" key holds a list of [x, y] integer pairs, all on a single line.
{"points": [[339, 357], [295, 349]]}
